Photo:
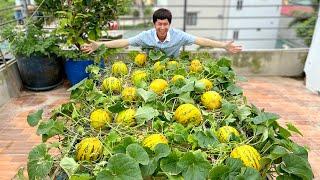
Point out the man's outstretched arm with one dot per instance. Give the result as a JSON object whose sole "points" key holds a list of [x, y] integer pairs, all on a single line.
{"points": [[93, 45], [228, 46]]}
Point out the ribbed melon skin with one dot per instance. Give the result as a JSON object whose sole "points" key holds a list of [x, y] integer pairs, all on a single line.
{"points": [[248, 155], [188, 113], [89, 149], [153, 140]]}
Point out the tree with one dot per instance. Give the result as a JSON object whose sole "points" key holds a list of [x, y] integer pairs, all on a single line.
{"points": [[305, 23]]}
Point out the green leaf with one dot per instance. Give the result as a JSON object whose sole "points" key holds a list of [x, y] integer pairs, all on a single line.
{"points": [[227, 108], [277, 152], [224, 62], [250, 174], [69, 165], [155, 55], [195, 166], [234, 164], [180, 133], [122, 146], [187, 88], [138, 153], [297, 165], [284, 132], [161, 150], [116, 108], [234, 89], [264, 117], [206, 139], [145, 113], [147, 96], [149, 169], [34, 118], [113, 137], [39, 162], [199, 86], [169, 164], [185, 98], [292, 128], [219, 172], [168, 115], [243, 112], [19, 175], [50, 128], [120, 166], [288, 177]]}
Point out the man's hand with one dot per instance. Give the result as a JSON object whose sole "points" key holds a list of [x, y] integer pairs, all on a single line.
{"points": [[91, 47], [232, 48]]}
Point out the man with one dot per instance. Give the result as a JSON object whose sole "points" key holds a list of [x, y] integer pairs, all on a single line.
{"points": [[164, 38]]}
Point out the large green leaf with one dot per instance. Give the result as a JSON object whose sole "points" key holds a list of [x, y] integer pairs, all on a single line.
{"points": [[69, 165], [243, 112], [264, 117], [206, 139], [297, 165], [117, 107], [34, 118], [150, 168], [121, 167], [195, 166], [50, 128], [169, 164], [224, 62], [219, 172], [234, 164], [292, 128], [185, 98], [138, 153], [155, 55], [161, 150], [145, 113], [249, 173], [39, 162], [234, 89], [277, 152], [227, 108], [122, 146], [147, 96]]}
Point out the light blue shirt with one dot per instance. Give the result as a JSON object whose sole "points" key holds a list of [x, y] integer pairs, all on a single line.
{"points": [[171, 45]]}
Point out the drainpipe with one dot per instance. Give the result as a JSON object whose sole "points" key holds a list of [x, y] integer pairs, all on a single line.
{"points": [[184, 18], [312, 64]]}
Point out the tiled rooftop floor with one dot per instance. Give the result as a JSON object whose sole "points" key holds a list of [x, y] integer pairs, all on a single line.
{"points": [[284, 96]]}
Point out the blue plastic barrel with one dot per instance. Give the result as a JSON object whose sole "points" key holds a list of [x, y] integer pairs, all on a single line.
{"points": [[76, 69]]}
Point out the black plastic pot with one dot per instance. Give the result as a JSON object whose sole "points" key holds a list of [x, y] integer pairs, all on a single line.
{"points": [[40, 73]]}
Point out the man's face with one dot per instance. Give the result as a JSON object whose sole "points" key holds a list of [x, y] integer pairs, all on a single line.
{"points": [[162, 27]]}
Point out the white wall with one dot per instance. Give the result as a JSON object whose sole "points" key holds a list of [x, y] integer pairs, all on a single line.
{"points": [[312, 65], [255, 22]]}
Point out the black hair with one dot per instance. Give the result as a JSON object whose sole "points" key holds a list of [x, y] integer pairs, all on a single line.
{"points": [[162, 14]]}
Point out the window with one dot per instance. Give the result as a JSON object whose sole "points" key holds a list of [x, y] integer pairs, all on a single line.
{"points": [[235, 35], [191, 18], [239, 4]]}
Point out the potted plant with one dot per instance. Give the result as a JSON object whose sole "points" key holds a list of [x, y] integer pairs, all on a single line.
{"points": [[79, 21], [35, 51]]}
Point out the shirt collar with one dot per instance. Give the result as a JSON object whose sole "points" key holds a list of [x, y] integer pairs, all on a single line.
{"points": [[167, 37]]}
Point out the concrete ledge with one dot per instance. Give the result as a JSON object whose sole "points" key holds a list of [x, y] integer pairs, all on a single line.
{"points": [[10, 82], [273, 62]]}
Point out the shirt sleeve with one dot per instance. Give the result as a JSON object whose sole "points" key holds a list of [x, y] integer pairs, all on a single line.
{"points": [[137, 40], [187, 39]]}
